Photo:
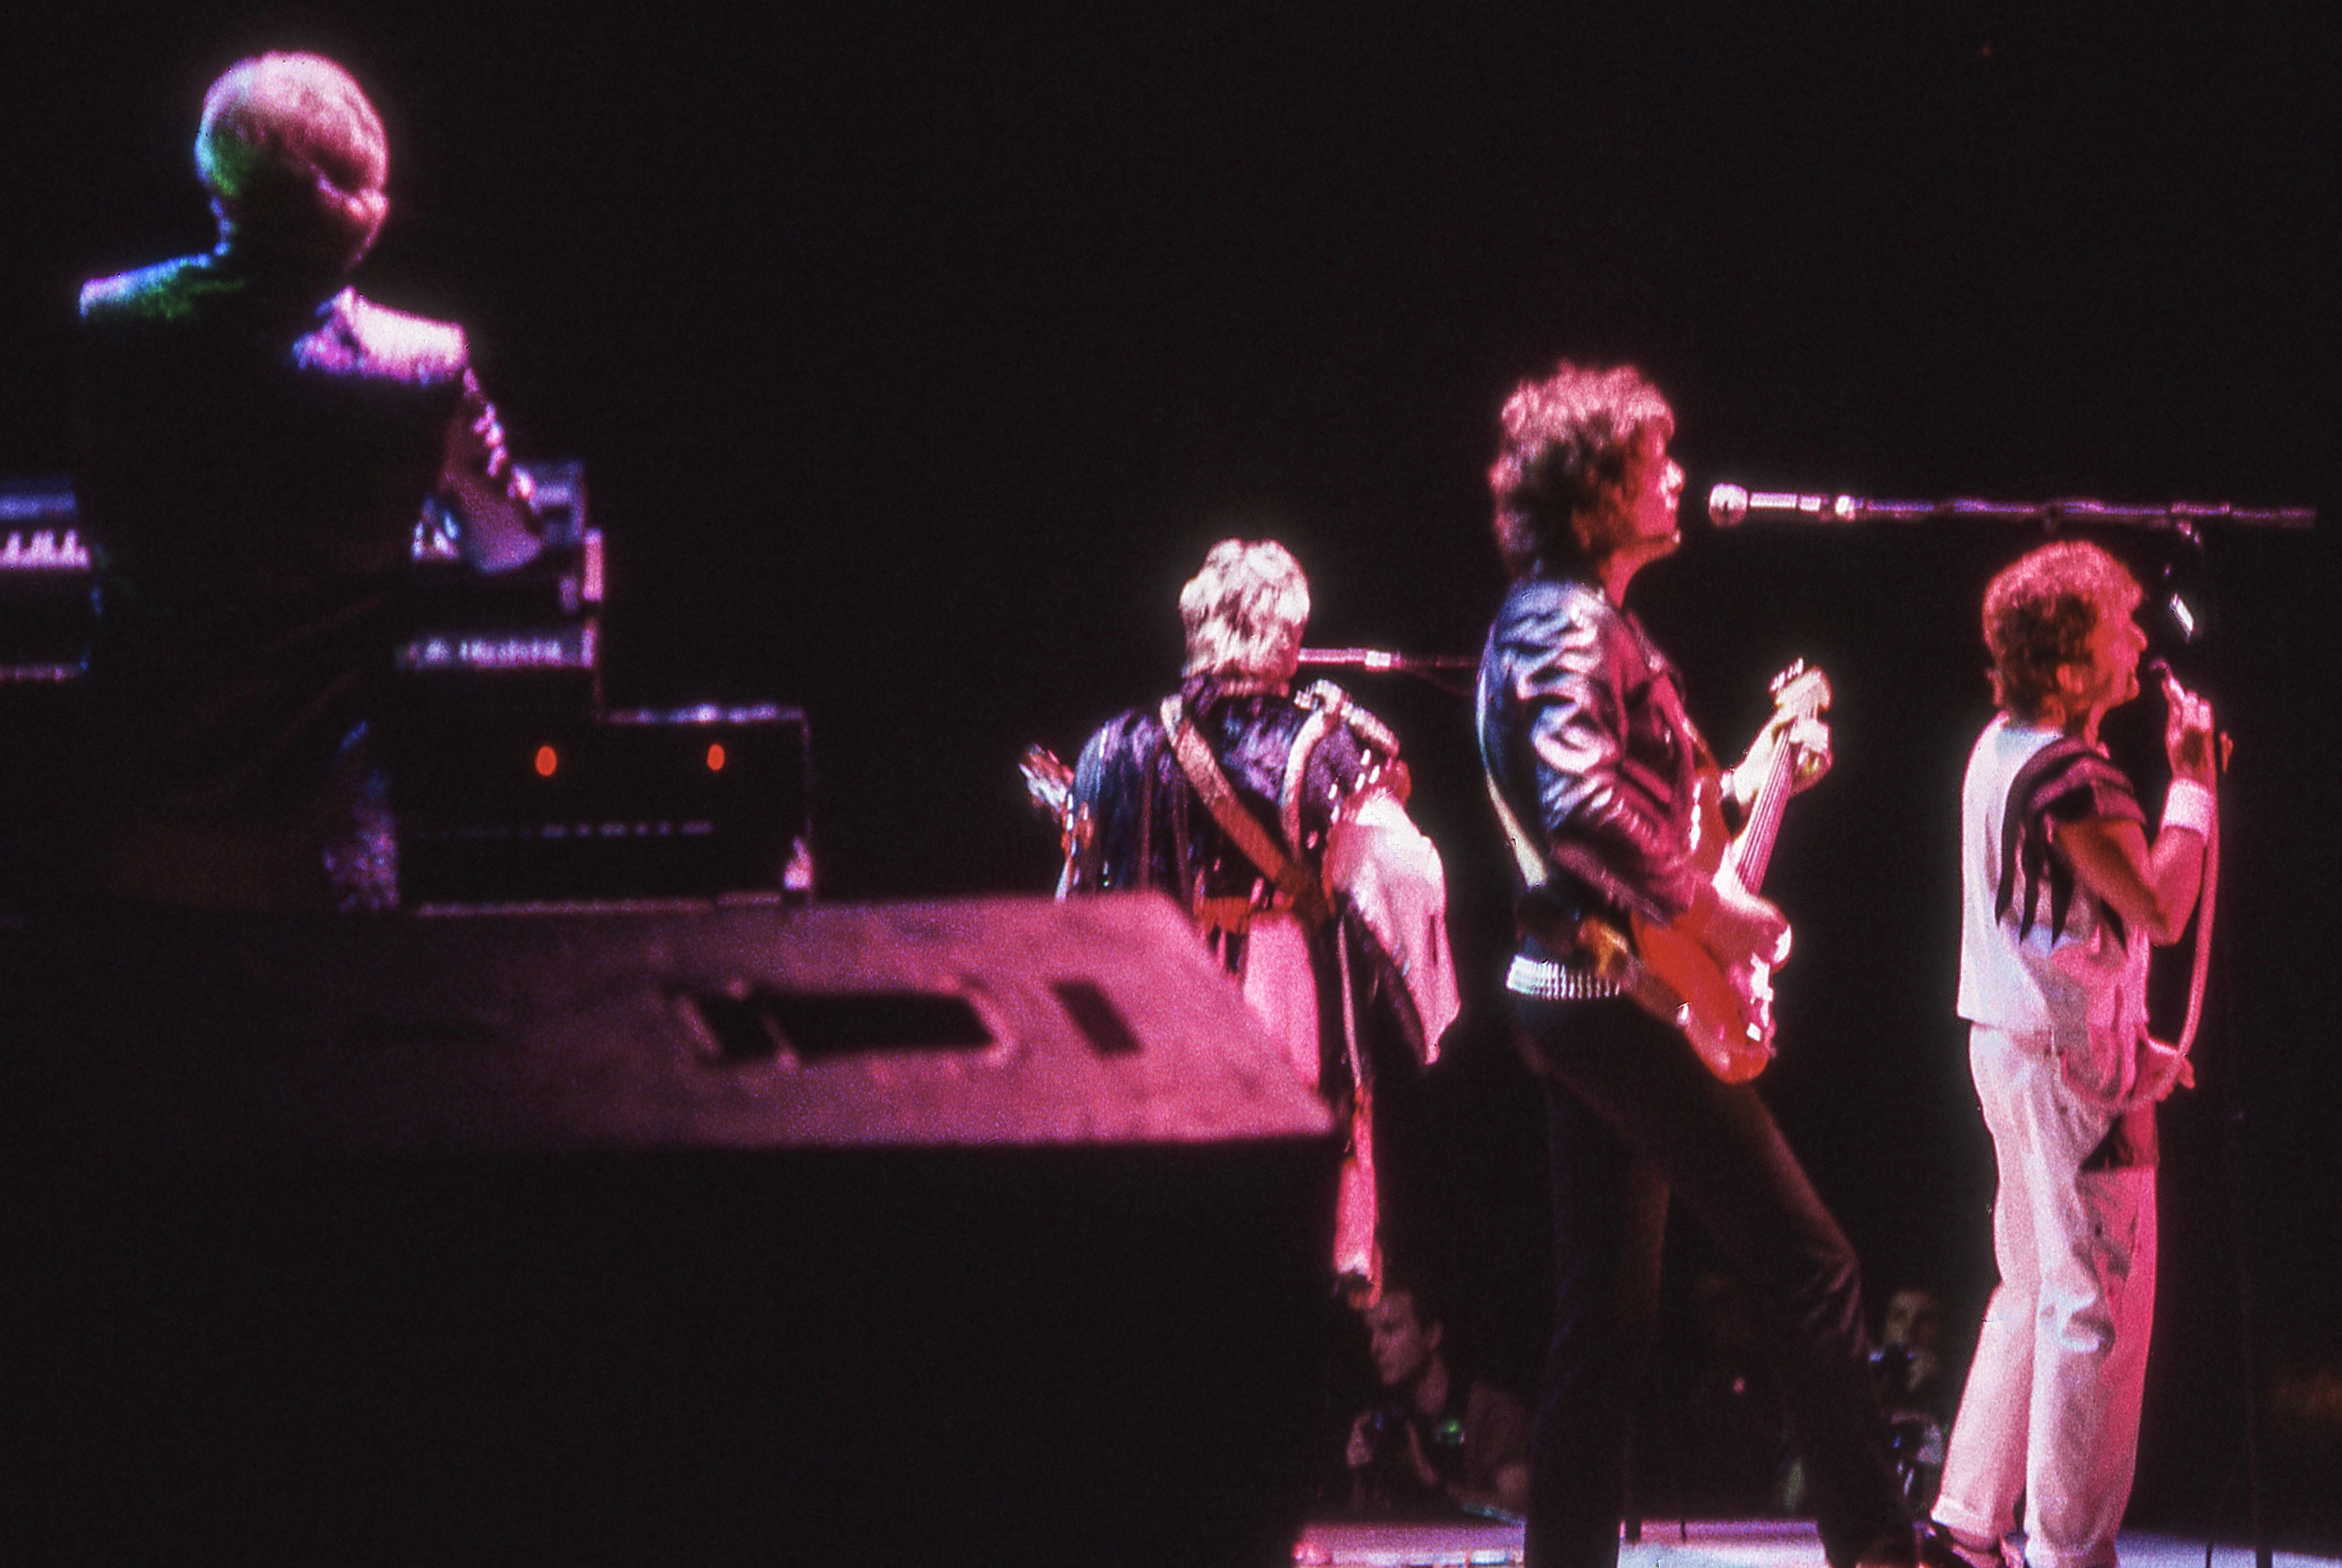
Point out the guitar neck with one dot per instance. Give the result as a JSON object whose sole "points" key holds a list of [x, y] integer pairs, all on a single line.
{"points": [[1752, 851]]}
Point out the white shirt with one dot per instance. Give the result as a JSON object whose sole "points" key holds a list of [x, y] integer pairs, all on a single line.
{"points": [[2081, 992]]}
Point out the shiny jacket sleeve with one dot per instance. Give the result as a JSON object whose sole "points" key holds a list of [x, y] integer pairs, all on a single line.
{"points": [[1594, 715], [502, 527]]}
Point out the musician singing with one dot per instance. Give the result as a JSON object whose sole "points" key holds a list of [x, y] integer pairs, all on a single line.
{"points": [[254, 443], [1595, 768], [2061, 895]]}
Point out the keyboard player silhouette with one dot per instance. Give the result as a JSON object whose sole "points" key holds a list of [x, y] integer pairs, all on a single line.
{"points": [[254, 441]]}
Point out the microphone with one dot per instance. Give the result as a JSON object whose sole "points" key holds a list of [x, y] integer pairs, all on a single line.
{"points": [[1383, 659], [1729, 506]]}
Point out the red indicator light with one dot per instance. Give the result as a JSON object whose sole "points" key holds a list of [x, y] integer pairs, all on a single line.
{"points": [[547, 759], [716, 757]]}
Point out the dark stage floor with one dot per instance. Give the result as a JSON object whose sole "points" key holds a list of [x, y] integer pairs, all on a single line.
{"points": [[1700, 1543]]}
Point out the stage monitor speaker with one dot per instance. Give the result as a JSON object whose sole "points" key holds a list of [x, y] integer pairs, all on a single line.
{"points": [[982, 1231]]}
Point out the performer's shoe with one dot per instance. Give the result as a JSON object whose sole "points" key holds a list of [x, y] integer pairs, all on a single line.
{"points": [[1940, 1547]]}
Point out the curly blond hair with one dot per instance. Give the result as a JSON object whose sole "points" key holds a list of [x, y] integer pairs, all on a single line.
{"points": [[1244, 612], [2040, 613]]}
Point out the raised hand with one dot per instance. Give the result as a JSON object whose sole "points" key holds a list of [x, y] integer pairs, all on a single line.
{"points": [[2188, 728]]}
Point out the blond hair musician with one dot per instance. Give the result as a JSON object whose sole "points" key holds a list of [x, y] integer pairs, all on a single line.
{"points": [[1276, 817], [255, 442]]}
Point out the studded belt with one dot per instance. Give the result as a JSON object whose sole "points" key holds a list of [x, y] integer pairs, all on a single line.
{"points": [[1549, 982]]}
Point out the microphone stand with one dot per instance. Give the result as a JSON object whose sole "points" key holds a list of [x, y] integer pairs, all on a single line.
{"points": [[1424, 666], [2180, 516], [2235, 1145], [2234, 1150], [1729, 506]]}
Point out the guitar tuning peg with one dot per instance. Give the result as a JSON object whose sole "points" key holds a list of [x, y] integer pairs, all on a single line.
{"points": [[1796, 667]]}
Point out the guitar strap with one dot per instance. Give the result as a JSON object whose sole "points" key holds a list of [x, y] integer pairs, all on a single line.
{"points": [[1531, 864], [1357, 1255], [1524, 855], [1302, 890], [1296, 772]]}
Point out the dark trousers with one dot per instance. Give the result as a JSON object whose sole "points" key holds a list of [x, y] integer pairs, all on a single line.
{"points": [[1632, 1117]]}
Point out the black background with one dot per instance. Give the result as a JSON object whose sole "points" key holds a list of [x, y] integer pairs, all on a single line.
{"points": [[916, 354]]}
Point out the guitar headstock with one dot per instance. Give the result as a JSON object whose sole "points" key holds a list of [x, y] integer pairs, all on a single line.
{"points": [[1799, 692], [1049, 783]]}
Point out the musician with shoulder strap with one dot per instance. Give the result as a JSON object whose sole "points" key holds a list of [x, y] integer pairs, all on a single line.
{"points": [[1613, 804], [1276, 816]]}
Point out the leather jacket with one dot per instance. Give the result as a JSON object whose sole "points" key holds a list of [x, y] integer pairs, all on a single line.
{"points": [[1146, 827], [1583, 730], [251, 462]]}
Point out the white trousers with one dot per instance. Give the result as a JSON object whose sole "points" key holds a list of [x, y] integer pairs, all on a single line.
{"points": [[2051, 1407], [1282, 991]]}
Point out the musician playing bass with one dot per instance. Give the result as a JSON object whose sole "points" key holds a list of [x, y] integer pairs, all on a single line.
{"points": [[1595, 770]]}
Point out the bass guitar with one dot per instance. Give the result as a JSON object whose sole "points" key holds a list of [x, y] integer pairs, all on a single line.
{"points": [[1725, 1011]]}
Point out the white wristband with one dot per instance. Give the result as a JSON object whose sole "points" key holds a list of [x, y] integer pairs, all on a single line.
{"points": [[2190, 806]]}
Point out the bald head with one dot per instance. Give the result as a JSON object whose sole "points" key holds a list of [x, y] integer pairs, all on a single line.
{"points": [[294, 156]]}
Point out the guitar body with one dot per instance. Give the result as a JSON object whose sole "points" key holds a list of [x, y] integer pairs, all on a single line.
{"points": [[1726, 1016], [1725, 1012], [1727, 1019]]}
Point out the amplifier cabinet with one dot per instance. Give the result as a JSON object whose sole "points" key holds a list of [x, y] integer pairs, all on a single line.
{"points": [[975, 1232], [694, 803]]}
